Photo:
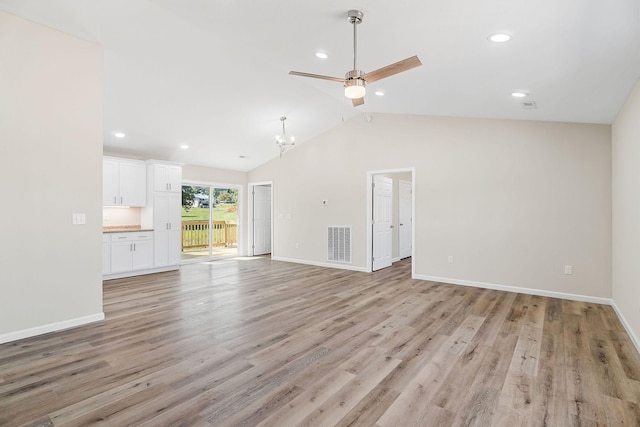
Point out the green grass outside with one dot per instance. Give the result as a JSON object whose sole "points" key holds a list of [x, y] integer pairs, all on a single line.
{"points": [[221, 212]]}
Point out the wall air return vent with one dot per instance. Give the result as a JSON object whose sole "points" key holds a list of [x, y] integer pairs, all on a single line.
{"points": [[339, 244]]}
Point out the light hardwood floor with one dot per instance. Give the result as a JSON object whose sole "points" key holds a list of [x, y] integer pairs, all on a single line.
{"points": [[257, 342]]}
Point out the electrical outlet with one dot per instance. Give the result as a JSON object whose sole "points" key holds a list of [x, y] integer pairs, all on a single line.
{"points": [[450, 259], [568, 269], [297, 245]]}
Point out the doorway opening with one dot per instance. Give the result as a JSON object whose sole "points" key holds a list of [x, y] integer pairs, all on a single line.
{"points": [[390, 217], [260, 218], [210, 221]]}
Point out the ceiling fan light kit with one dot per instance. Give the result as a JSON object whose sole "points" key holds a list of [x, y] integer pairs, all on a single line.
{"points": [[354, 85], [355, 81]]}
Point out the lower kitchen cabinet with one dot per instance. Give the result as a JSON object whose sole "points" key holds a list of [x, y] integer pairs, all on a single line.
{"points": [[131, 251], [106, 254]]}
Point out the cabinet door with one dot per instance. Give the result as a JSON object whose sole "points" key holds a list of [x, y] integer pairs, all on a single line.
{"points": [[106, 256], [160, 245], [133, 184], [174, 179], [142, 254], [110, 183], [174, 240], [160, 174], [121, 259]]}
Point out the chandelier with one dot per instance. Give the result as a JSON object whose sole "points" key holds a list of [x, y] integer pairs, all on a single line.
{"points": [[281, 140]]}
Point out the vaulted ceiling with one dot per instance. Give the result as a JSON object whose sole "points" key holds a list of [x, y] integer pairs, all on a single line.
{"points": [[213, 74]]}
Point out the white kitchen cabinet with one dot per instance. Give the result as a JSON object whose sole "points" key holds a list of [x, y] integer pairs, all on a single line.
{"points": [[163, 212], [167, 223], [106, 254], [167, 177], [124, 182], [131, 251]]}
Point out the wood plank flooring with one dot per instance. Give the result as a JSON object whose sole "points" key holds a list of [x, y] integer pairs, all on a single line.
{"points": [[254, 342]]}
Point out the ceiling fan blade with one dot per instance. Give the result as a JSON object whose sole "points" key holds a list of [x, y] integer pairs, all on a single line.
{"points": [[357, 101], [390, 70], [316, 76]]}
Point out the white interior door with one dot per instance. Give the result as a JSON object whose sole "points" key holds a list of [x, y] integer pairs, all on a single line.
{"points": [[404, 218], [382, 225], [261, 219]]}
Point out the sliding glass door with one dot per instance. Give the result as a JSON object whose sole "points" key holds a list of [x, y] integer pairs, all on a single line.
{"points": [[209, 222]]}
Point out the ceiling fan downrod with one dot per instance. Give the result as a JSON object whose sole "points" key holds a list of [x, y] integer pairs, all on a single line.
{"points": [[355, 17]]}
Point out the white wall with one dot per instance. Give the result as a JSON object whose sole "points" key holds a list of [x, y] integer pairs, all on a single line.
{"points": [[51, 155], [512, 201], [626, 214]]}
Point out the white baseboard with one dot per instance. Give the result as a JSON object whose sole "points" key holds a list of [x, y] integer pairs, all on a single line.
{"points": [[627, 327], [321, 264], [51, 327], [395, 259], [139, 272], [528, 291]]}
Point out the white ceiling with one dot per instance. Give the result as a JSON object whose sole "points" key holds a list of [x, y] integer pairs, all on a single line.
{"points": [[213, 74]]}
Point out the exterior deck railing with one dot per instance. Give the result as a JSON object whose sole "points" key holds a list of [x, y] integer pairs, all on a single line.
{"points": [[195, 234]]}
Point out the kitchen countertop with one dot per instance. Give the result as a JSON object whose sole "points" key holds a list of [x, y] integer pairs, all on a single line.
{"points": [[124, 229]]}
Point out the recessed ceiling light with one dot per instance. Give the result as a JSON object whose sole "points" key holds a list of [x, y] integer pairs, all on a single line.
{"points": [[379, 93], [321, 55], [184, 146], [499, 38], [519, 94], [119, 134]]}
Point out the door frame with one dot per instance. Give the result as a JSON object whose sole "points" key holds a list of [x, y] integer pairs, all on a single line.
{"points": [[250, 237], [400, 182], [369, 214], [241, 227]]}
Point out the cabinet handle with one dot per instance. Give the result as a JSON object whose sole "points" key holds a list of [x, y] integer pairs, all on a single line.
{"points": [[115, 200], [169, 226], [121, 200], [134, 246]]}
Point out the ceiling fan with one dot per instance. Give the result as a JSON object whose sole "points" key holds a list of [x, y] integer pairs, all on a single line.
{"points": [[356, 80]]}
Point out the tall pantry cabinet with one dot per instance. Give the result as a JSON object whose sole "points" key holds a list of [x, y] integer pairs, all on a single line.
{"points": [[163, 212]]}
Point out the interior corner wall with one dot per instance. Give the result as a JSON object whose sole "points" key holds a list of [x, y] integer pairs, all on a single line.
{"points": [[626, 214], [51, 154], [512, 201]]}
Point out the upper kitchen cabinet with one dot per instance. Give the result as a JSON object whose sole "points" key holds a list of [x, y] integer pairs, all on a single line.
{"points": [[166, 177], [124, 182]]}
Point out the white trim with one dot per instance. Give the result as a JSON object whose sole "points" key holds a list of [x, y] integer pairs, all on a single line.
{"points": [[322, 264], [627, 327], [140, 272], [528, 291], [396, 259], [51, 327]]}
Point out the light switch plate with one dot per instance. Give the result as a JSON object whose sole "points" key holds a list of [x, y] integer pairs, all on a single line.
{"points": [[79, 218]]}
